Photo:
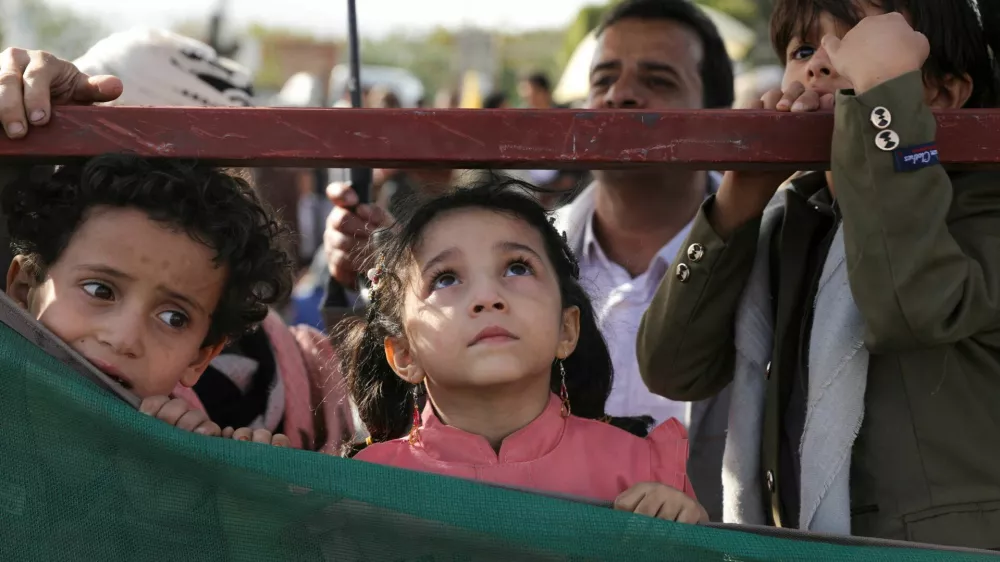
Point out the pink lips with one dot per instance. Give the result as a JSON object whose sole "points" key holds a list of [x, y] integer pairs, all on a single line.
{"points": [[493, 334], [112, 371]]}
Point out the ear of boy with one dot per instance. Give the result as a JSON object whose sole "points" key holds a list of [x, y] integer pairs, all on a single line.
{"points": [[197, 367], [951, 92], [20, 280], [877, 50], [400, 358]]}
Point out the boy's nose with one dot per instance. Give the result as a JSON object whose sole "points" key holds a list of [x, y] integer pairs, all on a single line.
{"points": [[124, 337], [820, 67]]}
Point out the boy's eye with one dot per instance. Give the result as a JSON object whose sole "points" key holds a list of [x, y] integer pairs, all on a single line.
{"points": [[99, 290], [443, 281], [174, 319], [517, 269], [803, 52]]}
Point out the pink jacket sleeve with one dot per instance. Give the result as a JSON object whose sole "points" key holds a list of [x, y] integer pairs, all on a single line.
{"points": [[668, 446]]}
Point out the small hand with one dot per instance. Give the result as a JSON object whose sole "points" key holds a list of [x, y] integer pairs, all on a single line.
{"points": [[257, 436], [32, 81], [795, 98], [661, 501], [877, 50], [179, 414]]}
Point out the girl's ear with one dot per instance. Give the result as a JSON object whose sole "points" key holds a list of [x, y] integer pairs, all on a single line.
{"points": [[950, 92], [569, 333], [400, 358]]}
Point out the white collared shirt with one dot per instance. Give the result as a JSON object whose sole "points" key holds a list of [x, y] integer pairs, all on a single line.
{"points": [[619, 303]]}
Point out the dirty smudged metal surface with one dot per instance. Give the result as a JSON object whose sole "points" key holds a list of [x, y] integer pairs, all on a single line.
{"points": [[472, 138]]}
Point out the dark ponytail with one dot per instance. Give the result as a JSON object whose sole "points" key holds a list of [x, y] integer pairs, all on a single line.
{"points": [[385, 402]]}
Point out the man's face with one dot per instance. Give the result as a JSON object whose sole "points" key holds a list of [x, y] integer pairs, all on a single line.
{"points": [[647, 64]]}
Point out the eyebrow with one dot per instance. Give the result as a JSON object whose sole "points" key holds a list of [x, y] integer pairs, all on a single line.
{"points": [[438, 259], [505, 246], [122, 276], [650, 66], [516, 247]]}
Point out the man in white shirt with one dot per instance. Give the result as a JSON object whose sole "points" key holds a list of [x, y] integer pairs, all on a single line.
{"points": [[627, 227]]}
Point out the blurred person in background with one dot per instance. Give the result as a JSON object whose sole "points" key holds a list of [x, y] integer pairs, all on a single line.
{"points": [[382, 97], [496, 100], [535, 91], [276, 378], [447, 98]]}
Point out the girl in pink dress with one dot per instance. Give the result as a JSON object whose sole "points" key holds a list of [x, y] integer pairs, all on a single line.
{"points": [[477, 311]]}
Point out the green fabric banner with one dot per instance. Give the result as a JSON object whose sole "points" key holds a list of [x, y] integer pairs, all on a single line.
{"points": [[83, 476]]}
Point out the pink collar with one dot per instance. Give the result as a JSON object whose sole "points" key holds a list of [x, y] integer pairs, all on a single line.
{"points": [[449, 444]]}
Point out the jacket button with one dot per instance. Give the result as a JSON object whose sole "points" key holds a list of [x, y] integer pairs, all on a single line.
{"points": [[683, 272], [887, 140], [696, 252], [767, 372], [770, 481], [881, 118]]}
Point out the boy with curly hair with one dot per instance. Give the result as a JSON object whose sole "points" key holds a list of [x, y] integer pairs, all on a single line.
{"points": [[146, 268]]}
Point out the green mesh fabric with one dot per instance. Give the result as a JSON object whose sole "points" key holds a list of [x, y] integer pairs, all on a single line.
{"points": [[85, 477]]}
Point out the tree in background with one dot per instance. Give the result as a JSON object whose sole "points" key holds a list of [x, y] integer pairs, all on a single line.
{"points": [[34, 24]]}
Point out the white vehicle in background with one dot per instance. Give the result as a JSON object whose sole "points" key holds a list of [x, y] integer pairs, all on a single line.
{"points": [[306, 90]]}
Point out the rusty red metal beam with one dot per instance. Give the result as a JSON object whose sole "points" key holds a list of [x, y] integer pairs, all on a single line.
{"points": [[473, 138]]}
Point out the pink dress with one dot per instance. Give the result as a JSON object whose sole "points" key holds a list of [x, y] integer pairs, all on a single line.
{"points": [[568, 456]]}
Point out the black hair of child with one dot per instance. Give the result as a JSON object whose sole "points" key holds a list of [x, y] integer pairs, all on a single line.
{"points": [[214, 208], [716, 66], [385, 401], [964, 35]]}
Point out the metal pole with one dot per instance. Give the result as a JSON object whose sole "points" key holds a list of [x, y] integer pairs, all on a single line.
{"points": [[361, 178]]}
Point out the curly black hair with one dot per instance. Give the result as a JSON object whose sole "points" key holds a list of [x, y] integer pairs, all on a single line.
{"points": [[385, 401], [214, 208]]}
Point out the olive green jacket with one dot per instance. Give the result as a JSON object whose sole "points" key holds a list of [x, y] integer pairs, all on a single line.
{"points": [[922, 262]]}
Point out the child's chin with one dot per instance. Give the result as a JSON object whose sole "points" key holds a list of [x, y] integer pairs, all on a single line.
{"points": [[497, 371]]}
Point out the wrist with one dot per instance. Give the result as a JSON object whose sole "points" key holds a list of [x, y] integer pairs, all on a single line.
{"points": [[739, 200], [867, 81]]}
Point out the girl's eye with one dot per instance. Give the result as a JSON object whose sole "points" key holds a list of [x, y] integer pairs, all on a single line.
{"points": [[99, 291], [174, 319], [443, 281], [517, 269], [803, 52]]}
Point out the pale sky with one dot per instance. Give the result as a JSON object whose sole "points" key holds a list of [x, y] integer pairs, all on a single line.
{"points": [[329, 17]]}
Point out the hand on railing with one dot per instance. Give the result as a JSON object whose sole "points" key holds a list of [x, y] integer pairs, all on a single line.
{"points": [[663, 502], [743, 195], [31, 82], [348, 230], [257, 436], [178, 413]]}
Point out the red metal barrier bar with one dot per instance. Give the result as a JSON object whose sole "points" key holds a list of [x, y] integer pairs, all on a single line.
{"points": [[473, 138]]}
